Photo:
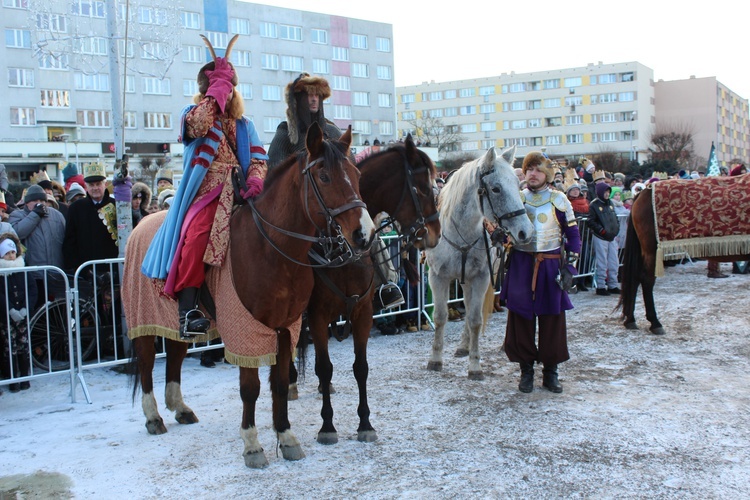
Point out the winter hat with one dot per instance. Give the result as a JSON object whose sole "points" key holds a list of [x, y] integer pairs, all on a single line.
{"points": [[620, 175], [70, 170], [737, 170], [74, 189], [695, 175], [295, 95], [141, 191], [7, 245], [164, 174], [166, 198], [615, 189], [376, 142], [35, 193], [602, 188]]}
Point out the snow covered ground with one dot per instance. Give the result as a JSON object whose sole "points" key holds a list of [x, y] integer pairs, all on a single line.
{"points": [[641, 416]]}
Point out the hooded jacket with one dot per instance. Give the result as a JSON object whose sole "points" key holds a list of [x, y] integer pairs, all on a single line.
{"points": [[602, 217], [142, 190]]}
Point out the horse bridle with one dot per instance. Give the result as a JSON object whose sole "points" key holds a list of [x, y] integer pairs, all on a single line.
{"points": [[484, 194], [336, 251], [416, 231]]}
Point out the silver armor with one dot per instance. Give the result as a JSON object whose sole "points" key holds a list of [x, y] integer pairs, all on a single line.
{"points": [[540, 207]]}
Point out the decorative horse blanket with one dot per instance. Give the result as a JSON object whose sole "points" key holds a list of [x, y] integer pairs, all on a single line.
{"points": [[708, 217], [247, 342]]}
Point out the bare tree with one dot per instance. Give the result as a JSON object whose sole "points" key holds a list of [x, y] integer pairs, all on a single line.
{"points": [[672, 142], [431, 131]]}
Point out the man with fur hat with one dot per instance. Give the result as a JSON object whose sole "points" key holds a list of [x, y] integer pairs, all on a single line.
{"points": [[531, 290], [304, 98], [164, 178], [42, 230], [605, 227], [217, 138]]}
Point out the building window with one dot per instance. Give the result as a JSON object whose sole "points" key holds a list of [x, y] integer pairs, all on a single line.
{"points": [[451, 111], [157, 120], [467, 110], [487, 90], [55, 23], [450, 94], [408, 115], [92, 118], [468, 92], [339, 82], [242, 58], [517, 87], [23, 117], [292, 63], [573, 81], [151, 15], [18, 39], [268, 30], [94, 45], [407, 98], [218, 40], [96, 82], [607, 98], [246, 90], [360, 70], [192, 54], [271, 93], [487, 108], [535, 104], [156, 86], [319, 36], [121, 48], [608, 137], [626, 96], [189, 87], [534, 122], [385, 73], [16, 4], [152, 50], [488, 126], [128, 82], [364, 127], [239, 26], [608, 118], [435, 113], [436, 96], [340, 54], [55, 99], [271, 123], [627, 77], [269, 61], [574, 120], [518, 106], [190, 20], [553, 140], [129, 119], [385, 128], [574, 138], [359, 41], [551, 84], [341, 112], [360, 98], [469, 146], [287, 32], [552, 103], [468, 128], [321, 66], [518, 124], [382, 44], [576, 100]]}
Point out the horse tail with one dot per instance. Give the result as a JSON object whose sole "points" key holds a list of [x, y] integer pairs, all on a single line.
{"points": [[133, 370], [488, 306], [632, 269], [302, 343]]}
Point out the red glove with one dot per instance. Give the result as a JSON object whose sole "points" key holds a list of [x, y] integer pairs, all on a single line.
{"points": [[254, 186], [220, 82]]}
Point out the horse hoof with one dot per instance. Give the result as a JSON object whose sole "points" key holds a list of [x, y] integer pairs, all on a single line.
{"points": [[292, 452], [435, 366], [630, 325], [369, 436], [658, 330], [476, 376], [293, 394], [331, 390], [186, 418], [328, 437], [461, 353], [256, 460], [156, 427]]}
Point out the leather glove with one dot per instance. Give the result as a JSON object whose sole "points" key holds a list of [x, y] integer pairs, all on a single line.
{"points": [[253, 187], [220, 82], [40, 209], [122, 188], [17, 315]]}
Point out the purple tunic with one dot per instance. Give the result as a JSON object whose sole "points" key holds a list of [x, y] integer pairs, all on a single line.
{"points": [[549, 297]]}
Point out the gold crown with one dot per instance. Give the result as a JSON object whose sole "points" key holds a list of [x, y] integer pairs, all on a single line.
{"points": [[661, 175], [93, 171], [39, 177]]}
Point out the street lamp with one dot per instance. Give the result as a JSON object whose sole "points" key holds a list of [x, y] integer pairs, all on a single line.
{"points": [[632, 119], [65, 138]]}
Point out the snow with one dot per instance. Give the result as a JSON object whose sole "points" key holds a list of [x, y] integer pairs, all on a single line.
{"points": [[641, 416]]}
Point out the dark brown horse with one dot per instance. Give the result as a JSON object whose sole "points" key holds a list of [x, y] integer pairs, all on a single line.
{"points": [[311, 197], [399, 181], [641, 258]]}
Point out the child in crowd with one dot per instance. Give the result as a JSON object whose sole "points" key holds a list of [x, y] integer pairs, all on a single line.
{"points": [[17, 290]]}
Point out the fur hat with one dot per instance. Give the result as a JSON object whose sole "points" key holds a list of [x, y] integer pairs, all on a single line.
{"points": [[142, 191], [536, 158], [296, 102], [94, 172], [164, 174], [75, 189], [34, 193], [620, 175]]}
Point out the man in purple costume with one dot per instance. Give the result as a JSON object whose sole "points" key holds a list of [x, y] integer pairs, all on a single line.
{"points": [[531, 290]]}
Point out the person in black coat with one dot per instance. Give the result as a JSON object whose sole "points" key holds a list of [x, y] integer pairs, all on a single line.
{"points": [[605, 227]]}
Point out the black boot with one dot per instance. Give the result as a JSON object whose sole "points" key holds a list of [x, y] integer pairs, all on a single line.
{"points": [[550, 381], [23, 370], [527, 377], [192, 320], [7, 372]]}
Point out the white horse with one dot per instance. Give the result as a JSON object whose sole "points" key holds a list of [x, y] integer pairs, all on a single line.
{"points": [[485, 188]]}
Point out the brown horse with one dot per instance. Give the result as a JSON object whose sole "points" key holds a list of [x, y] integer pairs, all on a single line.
{"points": [[311, 197], [399, 181], [642, 256]]}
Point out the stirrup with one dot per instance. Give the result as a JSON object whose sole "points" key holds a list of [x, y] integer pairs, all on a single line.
{"points": [[388, 296], [198, 323]]}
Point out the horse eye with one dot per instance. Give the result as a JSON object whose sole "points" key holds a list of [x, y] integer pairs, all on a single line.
{"points": [[324, 177], [495, 189]]}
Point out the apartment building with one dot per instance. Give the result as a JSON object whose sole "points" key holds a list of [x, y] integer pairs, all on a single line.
{"points": [[57, 87], [711, 111]]}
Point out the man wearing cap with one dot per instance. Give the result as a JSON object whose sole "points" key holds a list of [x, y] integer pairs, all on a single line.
{"points": [[91, 231], [304, 99], [41, 229], [531, 290]]}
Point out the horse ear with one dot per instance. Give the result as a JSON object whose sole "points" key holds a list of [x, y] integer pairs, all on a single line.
{"points": [[487, 162], [509, 154], [346, 138], [314, 140], [411, 148]]}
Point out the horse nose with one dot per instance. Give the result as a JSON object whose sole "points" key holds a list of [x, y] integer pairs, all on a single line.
{"points": [[522, 236], [364, 235]]}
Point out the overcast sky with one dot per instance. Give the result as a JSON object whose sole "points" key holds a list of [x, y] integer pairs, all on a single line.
{"points": [[464, 39]]}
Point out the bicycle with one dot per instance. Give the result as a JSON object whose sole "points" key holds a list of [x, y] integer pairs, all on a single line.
{"points": [[48, 327]]}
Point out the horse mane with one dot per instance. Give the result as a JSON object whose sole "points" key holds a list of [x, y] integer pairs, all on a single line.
{"points": [[332, 155], [400, 148], [454, 191]]}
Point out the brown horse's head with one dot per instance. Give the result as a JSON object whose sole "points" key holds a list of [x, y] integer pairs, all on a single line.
{"points": [[332, 194], [401, 182]]}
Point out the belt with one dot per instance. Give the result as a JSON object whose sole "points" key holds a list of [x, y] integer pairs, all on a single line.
{"points": [[538, 258]]}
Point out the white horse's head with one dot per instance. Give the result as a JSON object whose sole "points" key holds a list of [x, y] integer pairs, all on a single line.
{"points": [[501, 202]]}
